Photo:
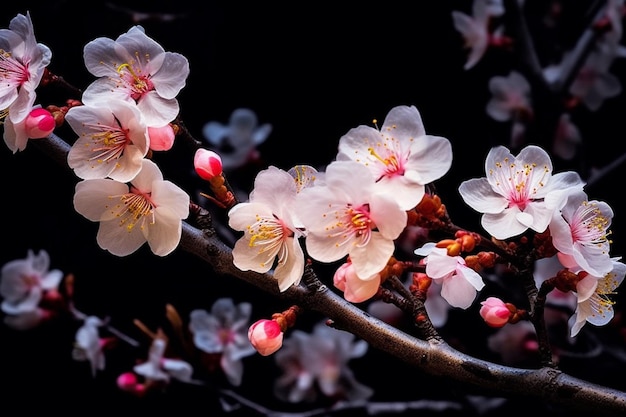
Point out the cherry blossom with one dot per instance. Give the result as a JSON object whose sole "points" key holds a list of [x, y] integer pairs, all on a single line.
{"points": [[22, 65], [24, 282], [401, 158], [317, 362], [346, 217], [580, 233], [510, 97], [88, 344], [160, 369], [237, 141], [136, 69], [597, 307], [475, 28], [150, 209], [224, 331], [459, 283], [112, 140], [270, 229], [567, 138], [519, 193]]}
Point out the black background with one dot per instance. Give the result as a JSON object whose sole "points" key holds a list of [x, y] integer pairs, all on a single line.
{"points": [[313, 70]]}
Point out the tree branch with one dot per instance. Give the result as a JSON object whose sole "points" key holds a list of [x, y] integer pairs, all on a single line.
{"points": [[435, 357]]}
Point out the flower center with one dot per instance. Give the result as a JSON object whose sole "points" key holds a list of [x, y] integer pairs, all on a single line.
{"points": [[518, 185], [589, 225], [138, 83], [353, 223], [109, 143], [269, 233], [134, 208]]}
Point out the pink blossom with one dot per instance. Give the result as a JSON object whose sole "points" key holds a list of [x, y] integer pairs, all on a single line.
{"points": [[519, 193], [400, 157], [347, 217], [459, 283]]}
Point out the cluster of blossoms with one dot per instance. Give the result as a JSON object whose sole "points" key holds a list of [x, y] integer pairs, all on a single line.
{"points": [[31, 296], [360, 222], [354, 211], [22, 65], [336, 215]]}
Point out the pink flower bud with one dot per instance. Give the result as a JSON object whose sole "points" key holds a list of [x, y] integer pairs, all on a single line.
{"points": [[266, 336], [207, 164], [127, 381], [39, 123], [161, 138], [495, 312]]}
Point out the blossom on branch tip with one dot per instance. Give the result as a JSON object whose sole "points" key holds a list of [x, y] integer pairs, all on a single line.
{"points": [[150, 209], [346, 217], [519, 193], [266, 336], [136, 69], [112, 140], [22, 65], [271, 229], [400, 157]]}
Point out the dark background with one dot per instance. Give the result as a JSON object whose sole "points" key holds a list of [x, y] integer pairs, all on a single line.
{"points": [[313, 70]]}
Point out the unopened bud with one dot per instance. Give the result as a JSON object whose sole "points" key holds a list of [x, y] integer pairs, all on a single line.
{"points": [[161, 138], [207, 164], [495, 312], [39, 123], [266, 336]]}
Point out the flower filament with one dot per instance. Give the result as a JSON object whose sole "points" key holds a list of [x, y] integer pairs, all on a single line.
{"points": [[12, 70], [518, 185], [109, 143], [138, 84], [268, 233], [590, 225], [135, 208], [352, 224]]}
